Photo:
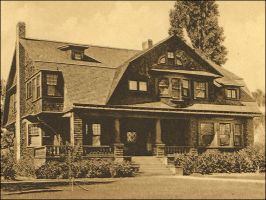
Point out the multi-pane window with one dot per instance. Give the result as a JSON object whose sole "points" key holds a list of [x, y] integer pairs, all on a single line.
{"points": [[34, 135], [133, 85], [142, 86], [231, 93], [185, 88], [207, 133], [170, 55], [176, 88], [38, 86], [200, 89], [96, 134], [171, 58], [224, 136], [138, 85], [29, 89], [237, 135], [51, 82], [163, 86]]}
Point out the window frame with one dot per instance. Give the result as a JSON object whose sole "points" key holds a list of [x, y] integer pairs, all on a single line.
{"points": [[187, 89], [176, 89], [130, 82], [239, 134], [137, 88], [230, 134], [207, 134], [39, 134], [145, 84], [167, 86], [196, 83], [229, 91], [96, 132], [53, 85]]}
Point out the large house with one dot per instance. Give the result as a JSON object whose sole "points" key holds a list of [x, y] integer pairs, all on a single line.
{"points": [[166, 98]]}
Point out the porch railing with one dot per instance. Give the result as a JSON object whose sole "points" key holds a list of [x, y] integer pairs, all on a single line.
{"points": [[86, 150], [97, 151], [55, 151], [177, 149]]}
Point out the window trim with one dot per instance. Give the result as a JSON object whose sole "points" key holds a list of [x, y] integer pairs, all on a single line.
{"points": [[230, 90], [39, 135], [188, 88], [201, 133], [205, 90], [138, 86], [51, 85]]}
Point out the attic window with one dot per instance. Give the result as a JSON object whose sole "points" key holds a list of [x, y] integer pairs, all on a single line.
{"points": [[162, 60], [78, 55]]}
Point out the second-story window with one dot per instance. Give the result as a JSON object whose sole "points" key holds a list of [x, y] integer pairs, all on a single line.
{"points": [[231, 93], [171, 58], [163, 86], [38, 86], [51, 82], [142, 86], [176, 88], [200, 89], [185, 88]]}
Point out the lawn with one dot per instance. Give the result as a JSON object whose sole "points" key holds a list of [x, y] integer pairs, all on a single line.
{"points": [[150, 188]]}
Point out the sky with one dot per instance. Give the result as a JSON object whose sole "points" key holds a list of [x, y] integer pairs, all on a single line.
{"points": [[126, 24]]}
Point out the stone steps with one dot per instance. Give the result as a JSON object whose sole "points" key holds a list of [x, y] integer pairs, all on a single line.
{"points": [[151, 166]]}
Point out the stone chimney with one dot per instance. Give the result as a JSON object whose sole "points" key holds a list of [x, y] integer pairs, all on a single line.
{"points": [[21, 30], [147, 44]]}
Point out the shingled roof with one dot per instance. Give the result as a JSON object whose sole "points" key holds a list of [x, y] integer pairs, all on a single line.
{"points": [[95, 82]]}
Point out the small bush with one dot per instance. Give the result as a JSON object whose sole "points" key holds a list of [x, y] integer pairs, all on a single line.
{"points": [[93, 168], [8, 166], [245, 160], [25, 167], [124, 169]]}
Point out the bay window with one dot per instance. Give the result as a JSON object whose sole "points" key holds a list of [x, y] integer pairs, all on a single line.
{"points": [[38, 86], [185, 88], [51, 82], [176, 88], [163, 86]]}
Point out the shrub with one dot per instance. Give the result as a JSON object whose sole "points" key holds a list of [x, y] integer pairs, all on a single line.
{"points": [[25, 166], [93, 168], [245, 160], [8, 166], [124, 169]]}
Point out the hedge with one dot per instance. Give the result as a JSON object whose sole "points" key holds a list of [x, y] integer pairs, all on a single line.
{"points": [[245, 160], [93, 168]]}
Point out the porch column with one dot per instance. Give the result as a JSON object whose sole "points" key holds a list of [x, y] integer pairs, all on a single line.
{"points": [[118, 146], [158, 131], [159, 146], [71, 123]]}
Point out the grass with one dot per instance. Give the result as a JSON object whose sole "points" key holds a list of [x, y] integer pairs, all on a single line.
{"points": [[149, 188]]}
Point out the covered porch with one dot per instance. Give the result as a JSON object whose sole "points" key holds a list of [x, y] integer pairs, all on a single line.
{"points": [[107, 133]]}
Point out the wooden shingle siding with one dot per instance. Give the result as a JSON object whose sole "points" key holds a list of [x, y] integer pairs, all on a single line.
{"points": [[249, 132]]}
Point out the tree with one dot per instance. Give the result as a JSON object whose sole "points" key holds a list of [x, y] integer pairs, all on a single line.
{"points": [[200, 19], [259, 96]]}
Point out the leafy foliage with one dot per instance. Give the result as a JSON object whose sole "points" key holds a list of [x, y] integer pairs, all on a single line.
{"points": [[200, 20], [249, 159], [93, 168], [8, 166]]}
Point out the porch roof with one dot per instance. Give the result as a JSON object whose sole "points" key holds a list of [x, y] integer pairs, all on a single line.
{"points": [[247, 109]]}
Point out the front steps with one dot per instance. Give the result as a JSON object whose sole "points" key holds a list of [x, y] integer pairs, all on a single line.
{"points": [[151, 166]]}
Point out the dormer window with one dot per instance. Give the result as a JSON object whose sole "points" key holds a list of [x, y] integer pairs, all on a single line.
{"points": [[231, 93], [138, 85], [78, 55]]}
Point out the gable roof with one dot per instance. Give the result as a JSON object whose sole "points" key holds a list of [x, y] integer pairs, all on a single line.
{"points": [[84, 80]]}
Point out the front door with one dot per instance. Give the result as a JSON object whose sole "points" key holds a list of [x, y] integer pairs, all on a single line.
{"points": [[137, 138]]}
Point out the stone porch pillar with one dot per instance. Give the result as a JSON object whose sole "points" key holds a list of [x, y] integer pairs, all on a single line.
{"points": [[159, 146], [118, 146]]}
